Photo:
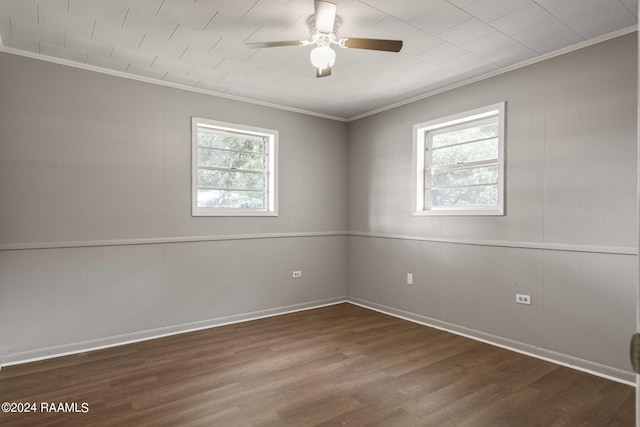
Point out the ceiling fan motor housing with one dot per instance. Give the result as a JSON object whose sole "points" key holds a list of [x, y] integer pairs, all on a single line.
{"points": [[320, 38]]}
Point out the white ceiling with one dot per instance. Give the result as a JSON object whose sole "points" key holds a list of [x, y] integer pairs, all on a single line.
{"points": [[200, 43]]}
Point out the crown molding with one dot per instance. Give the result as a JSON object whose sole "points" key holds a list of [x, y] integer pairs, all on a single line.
{"points": [[144, 79], [522, 64], [540, 58]]}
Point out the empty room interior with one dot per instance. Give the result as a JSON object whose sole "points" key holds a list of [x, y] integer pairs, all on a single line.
{"points": [[288, 212]]}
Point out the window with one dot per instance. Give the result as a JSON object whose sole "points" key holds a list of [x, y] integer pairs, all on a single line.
{"points": [[234, 169], [459, 164]]}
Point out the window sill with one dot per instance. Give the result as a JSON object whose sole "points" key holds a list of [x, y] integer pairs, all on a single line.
{"points": [[460, 212], [232, 213]]}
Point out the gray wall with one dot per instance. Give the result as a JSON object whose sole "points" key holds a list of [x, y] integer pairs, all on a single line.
{"points": [[97, 169], [100, 162], [569, 234]]}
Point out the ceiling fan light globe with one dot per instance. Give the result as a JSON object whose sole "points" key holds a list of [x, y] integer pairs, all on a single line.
{"points": [[323, 57]]}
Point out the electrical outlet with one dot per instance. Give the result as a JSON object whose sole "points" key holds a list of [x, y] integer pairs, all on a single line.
{"points": [[409, 279], [297, 274], [523, 299]]}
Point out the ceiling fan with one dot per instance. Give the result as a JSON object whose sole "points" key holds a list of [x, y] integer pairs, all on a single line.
{"points": [[324, 25]]}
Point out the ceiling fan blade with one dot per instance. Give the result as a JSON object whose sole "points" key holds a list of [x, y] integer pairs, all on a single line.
{"points": [[372, 44], [325, 16], [259, 45], [323, 72]]}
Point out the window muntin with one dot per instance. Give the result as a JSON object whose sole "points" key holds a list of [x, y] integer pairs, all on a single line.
{"points": [[234, 169], [458, 164]]}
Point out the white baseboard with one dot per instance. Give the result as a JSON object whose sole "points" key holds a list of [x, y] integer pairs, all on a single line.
{"points": [[583, 365], [102, 343], [527, 349]]}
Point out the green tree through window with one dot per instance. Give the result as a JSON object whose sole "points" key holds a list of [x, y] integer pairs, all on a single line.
{"points": [[233, 170], [459, 164]]}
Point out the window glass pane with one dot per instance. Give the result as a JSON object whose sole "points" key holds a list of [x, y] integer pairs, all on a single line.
{"points": [[234, 168], [463, 177], [475, 151], [230, 159], [465, 196], [231, 180], [459, 162], [231, 199], [209, 138], [473, 133]]}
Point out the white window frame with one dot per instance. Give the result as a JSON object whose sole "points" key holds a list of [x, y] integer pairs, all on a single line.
{"points": [[272, 193], [420, 206]]}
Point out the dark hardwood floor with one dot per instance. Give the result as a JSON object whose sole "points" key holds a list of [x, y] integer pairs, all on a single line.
{"points": [[337, 365]]}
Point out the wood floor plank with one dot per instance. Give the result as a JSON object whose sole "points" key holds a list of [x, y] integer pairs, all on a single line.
{"points": [[336, 365]]}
